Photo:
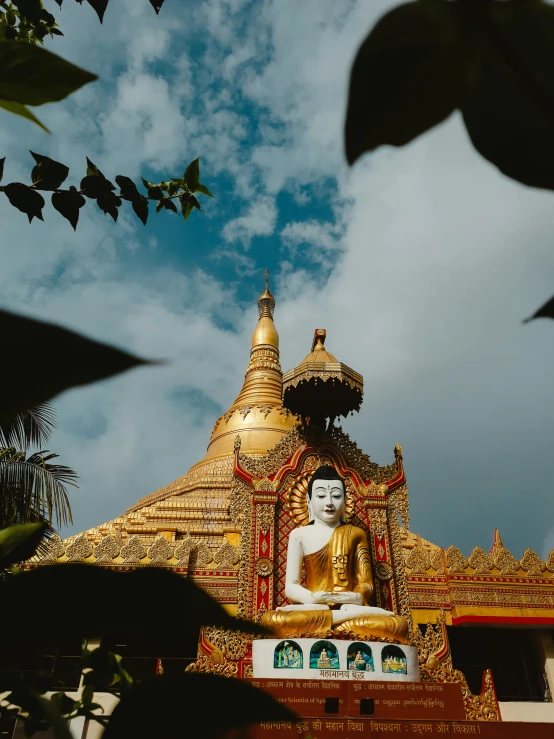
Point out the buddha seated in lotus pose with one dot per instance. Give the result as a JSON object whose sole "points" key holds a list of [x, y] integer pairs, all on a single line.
{"points": [[339, 583]]}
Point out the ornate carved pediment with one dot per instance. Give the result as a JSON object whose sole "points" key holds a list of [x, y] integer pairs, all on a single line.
{"points": [[480, 561], [106, 550], [455, 560], [418, 560], [79, 550], [133, 551], [160, 551], [532, 563]]}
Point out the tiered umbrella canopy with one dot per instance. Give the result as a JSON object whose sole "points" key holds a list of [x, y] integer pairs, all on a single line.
{"points": [[321, 387]]}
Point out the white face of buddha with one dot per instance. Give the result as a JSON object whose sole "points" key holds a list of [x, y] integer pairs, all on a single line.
{"points": [[328, 501]]}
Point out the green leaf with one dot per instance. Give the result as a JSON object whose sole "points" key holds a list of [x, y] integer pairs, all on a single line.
{"points": [[48, 174], [73, 360], [545, 311], [141, 209], [18, 543], [159, 206], [95, 186], [409, 75], [186, 208], [22, 110], [169, 205], [128, 188], [192, 174], [155, 192], [188, 197], [100, 7], [2, 162], [109, 204], [147, 185], [157, 4], [31, 75], [509, 115], [154, 707], [25, 199], [69, 204], [29, 9], [204, 190], [92, 170]]}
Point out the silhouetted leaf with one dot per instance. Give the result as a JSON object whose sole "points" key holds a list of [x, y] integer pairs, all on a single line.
{"points": [[408, 75], [128, 188], [92, 170], [155, 708], [95, 186], [74, 584], [186, 208], [157, 4], [48, 174], [25, 199], [109, 204], [69, 360], [188, 197], [509, 114], [29, 9], [545, 311], [100, 7], [2, 162], [68, 204], [204, 190], [23, 111], [18, 543], [31, 75], [192, 174], [169, 205], [141, 208]]}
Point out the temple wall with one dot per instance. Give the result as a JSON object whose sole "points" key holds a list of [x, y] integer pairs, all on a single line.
{"points": [[529, 712]]}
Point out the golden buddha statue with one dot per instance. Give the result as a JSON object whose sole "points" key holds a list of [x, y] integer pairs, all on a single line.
{"points": [[339, 584]]}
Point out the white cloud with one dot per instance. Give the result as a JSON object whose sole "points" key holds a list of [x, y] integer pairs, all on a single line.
{"points": [[259, 219]]}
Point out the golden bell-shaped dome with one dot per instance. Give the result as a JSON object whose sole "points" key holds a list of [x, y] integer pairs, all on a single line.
{"points": [[257, 415]]}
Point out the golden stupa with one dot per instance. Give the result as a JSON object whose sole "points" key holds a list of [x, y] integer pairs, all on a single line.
{"points": [[225, 524]]}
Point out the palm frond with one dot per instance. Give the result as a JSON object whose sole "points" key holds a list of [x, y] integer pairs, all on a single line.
{"points": [[30, 428], [33, 488]]}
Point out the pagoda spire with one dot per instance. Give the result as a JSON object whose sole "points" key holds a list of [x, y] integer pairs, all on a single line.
{"points": [[263, 381]]}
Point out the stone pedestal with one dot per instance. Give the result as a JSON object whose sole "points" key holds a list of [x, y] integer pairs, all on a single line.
{"points": [[334, 659]]}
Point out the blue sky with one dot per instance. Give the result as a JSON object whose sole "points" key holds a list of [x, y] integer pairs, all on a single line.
{"points": [[419, 262]]}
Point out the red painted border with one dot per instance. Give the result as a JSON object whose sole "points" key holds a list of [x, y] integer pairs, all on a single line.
{"points": [[502, 620]]}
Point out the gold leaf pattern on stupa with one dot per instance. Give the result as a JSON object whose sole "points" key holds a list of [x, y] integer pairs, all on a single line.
{"points": [[184, 550], [203, 555], [550, 562], [227, 555], [532, 563], [480, 561], [54, 549], [106, 550], [418, 560], [133, 551], [79, 550], [455, 560], [160, 551], [438, 561]]}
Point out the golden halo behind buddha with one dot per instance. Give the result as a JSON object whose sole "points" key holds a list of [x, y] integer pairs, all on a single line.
{"points": [[296, 500]]}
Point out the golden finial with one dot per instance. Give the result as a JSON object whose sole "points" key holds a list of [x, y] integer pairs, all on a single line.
{"points": [[266, 275]]}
